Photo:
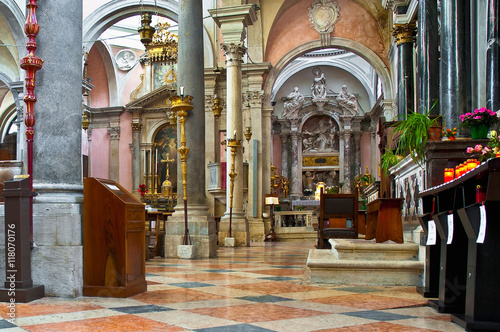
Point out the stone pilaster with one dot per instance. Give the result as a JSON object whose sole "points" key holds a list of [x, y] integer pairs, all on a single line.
{"points": [[284, 155], [57, 258], [427, 57], [233, 20], [357, 153], [348, 178], [136, 152], [493, 58], [191, 76], [404, 35], [114, 151], [296, 167], [453, 89]]}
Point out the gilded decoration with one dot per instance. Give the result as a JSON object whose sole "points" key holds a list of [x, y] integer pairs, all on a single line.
{"points": [[404, 33], [323, 15], [163, 47], [320, 161]]}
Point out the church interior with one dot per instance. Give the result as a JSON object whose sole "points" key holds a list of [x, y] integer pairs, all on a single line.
{"points": [[249, 165]]}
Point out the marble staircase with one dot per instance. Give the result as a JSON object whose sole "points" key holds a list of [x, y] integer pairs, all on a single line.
{"points": [[361, 262]]}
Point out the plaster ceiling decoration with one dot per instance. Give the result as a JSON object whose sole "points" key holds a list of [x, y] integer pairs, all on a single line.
{"points": [[323, 15]]}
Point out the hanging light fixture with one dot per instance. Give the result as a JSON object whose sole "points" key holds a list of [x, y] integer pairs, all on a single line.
{"points": [[146, 31]]}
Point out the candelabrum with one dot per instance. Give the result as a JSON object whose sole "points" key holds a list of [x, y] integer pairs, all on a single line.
{"points": [[234, 144], [274, 179], [181, 105]]}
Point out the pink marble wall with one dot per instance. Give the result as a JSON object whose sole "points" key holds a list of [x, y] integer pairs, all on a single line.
{"points": [[99, 96], [293, 28], [100, 153], [126, 151]]}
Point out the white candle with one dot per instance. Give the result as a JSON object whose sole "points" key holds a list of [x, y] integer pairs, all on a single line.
{"points": [[234, 134], [156, 162], [182, 90], [215, 96]]}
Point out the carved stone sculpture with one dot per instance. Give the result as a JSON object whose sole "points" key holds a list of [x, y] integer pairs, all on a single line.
{"points": [[348, 100], [293, 104], [318, 88]]}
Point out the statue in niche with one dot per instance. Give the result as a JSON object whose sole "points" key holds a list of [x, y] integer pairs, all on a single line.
{"points": [[307, 144], [308, 180], [318, 88], [347, 99], [330, 178], [293, 104], [321, 135]]}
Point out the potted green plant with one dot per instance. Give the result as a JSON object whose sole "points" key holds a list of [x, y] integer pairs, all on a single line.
{"points": [[414, 132], [388, 160]]}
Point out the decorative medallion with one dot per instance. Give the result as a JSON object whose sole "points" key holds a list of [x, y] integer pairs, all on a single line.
{"points": [[125, 60], [323, 15]]}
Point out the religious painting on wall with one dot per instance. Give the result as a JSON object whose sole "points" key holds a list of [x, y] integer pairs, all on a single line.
{"points": [[320, 134], [166, 143]]}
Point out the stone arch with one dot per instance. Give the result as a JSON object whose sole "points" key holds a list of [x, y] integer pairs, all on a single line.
{"points": [[336, 42], [16, 19]]}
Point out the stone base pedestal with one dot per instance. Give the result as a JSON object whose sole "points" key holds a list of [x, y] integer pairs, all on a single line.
{"points": [[229, 242], [201, 231], [186, 251], [239, 231], [256, 227], [21, 295], [57, 256]]}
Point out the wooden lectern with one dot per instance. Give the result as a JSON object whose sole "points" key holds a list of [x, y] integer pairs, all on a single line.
{"points": [[113, 240]]}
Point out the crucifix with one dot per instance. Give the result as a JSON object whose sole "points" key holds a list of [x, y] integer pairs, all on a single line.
{"points": [[167, 161]]}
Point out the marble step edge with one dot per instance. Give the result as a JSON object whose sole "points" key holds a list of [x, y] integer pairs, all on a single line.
{"points": [[371, 246], [366, 265]]}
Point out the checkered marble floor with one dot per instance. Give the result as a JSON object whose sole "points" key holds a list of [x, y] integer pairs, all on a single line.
{"points": [[263, 287]]}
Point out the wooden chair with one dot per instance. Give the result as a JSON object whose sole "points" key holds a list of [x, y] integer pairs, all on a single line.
{"points": [[338, 217]]}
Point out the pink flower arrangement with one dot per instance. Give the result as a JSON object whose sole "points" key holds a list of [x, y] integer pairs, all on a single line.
{"points": [[489, 151], [478, 117]]}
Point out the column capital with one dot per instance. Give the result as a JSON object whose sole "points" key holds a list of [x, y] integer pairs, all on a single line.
{"points": [[114, 133], [404, 33], [233, 20], [233, 52], [136, 126]]}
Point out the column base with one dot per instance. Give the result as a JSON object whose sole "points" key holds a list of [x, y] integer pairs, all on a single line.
{"points": [[21, 295], [257, 230], [239, 230], [201, 233]]}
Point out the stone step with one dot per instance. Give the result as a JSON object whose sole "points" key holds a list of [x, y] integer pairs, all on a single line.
{"points": [[325, 267], [370, 250]]}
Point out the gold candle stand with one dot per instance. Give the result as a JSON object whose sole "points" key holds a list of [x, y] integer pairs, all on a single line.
{"points": [[180, 106], [234, 144]]}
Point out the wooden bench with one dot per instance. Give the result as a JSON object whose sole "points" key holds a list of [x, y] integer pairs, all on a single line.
{"points": [[383, 220], [338, 216]]}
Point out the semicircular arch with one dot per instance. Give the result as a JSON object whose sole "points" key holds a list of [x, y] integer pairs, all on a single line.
{"points": [[336, 42]]}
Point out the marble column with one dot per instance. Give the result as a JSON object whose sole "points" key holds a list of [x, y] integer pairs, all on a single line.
{"points": [[357, 153], [296, 167], [233, 20], [136, 153], [284, 155], [493, 58], [405, 34], [453, 90], [57, 258], [346, 137], [427, 57], [114, 151], [191, 76]]}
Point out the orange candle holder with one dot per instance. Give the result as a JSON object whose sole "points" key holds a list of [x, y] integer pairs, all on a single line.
{"points": [[449, 174]]}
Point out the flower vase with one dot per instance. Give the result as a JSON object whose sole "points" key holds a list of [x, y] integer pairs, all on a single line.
{"points": [[452, 138], [480, 131]]}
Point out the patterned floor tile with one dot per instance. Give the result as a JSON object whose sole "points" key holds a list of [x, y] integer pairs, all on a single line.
{"points": [[128, 322], [174, 296], [140, 309], [257, 312], [264, 287], [366, 301], [378, 315]]}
